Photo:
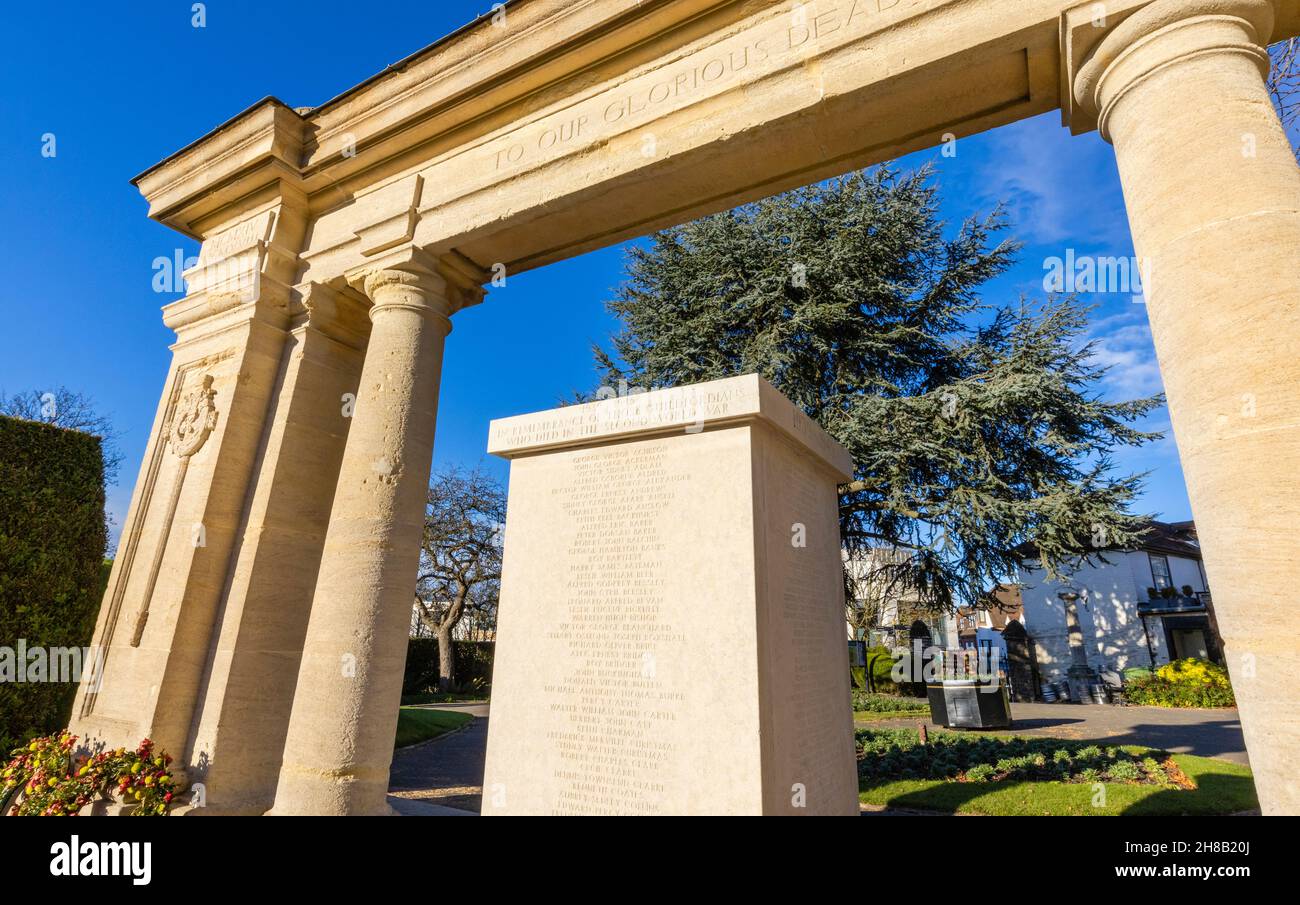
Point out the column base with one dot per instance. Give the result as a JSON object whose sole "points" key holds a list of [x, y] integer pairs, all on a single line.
{"points": [[307, 792]]}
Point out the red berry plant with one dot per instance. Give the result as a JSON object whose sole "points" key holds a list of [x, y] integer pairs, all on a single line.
{"points": [[50, 780]]}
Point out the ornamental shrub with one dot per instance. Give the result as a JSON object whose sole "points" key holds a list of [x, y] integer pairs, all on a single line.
{"points": [[51, 780], [473, 665], [1183, 683], [891, 754], [884, 703], [1124, 771], [881, 663]]}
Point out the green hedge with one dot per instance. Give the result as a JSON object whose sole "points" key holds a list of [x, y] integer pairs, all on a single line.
{"points": [[473, 664], [52, 571]]}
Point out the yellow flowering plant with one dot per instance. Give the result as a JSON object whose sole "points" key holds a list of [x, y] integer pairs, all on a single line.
{"points": [[1189, 682], [1193, 670]]}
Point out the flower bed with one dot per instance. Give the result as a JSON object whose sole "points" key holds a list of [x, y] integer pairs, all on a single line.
{"points": [[890, 754], [46, 778], [1182, 683]]}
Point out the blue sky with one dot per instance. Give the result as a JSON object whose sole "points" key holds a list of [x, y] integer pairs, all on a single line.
{"points": [[122, 86]]}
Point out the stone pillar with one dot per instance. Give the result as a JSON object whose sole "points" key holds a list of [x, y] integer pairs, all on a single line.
{"points": [[1079, 675], [166, 594], [239, 728], [1213, 195], [1022, 672], [340, 739], [671, 638]]}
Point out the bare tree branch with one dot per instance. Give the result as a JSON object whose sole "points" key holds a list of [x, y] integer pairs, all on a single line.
{"points": [[460, 560], [1284, 83]]}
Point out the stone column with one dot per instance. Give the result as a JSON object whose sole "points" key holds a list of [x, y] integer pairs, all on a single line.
{"points": [[1079, 673], [1213, 195], [340, 739]]}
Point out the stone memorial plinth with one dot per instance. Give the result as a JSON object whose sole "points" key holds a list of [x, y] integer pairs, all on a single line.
{"points": [[671, 628]]}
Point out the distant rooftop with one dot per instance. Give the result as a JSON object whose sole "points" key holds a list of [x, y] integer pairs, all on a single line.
{"points": [[1171, 538]]}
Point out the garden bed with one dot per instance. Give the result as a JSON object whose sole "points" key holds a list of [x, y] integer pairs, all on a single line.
{"points": [[957, 773], [445, 697]]}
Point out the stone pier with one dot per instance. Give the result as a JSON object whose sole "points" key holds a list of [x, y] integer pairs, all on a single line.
{"points": [[671, 626]]}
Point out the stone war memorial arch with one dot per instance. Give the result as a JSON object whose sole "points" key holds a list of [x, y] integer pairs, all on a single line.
{"points": [[339, 242]]}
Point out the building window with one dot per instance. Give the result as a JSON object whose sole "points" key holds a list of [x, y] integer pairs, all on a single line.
{"points": [[1160, 571]]}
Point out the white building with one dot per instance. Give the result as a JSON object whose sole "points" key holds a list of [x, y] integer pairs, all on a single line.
{"points": [[1139, 607], [887, 609]]}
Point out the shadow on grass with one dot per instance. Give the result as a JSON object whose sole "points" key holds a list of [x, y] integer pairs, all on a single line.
{"points": [[944, 798], [1216, 793], [1222, 788], [1013, 798]]}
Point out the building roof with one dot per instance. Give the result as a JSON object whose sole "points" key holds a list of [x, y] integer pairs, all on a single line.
{"points": [[1178, 538], [1169, 538]]}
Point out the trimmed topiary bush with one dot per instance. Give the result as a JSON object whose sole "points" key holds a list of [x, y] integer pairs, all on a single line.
{"points": [[52, 541], [881, 663]]}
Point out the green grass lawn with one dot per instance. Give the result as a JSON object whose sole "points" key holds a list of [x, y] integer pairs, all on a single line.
{"points": [[417, 725], [1222, 788], [443, 697]]}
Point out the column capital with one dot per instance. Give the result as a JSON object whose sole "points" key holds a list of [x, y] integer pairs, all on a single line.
{"points": [[413, 279], [1102, 59]]}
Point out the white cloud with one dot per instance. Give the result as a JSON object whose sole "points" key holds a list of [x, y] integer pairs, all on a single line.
{"points": [[1122, 344], [1058, 188]]}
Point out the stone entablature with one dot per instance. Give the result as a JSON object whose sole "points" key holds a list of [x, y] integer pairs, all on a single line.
{"points": [[561, 80]]}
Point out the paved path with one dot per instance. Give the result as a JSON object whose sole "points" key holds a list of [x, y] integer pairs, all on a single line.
{"points": [[447, 770], [1209, 733]]}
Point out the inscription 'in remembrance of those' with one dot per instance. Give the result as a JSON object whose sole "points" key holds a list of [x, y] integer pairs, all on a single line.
{"points": [[613, 710]]}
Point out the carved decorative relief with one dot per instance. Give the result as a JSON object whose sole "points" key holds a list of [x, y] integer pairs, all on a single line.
{"points": [[195, 418], [193, 422]]}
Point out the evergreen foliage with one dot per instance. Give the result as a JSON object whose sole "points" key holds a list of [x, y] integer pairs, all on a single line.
{"points": [[975, 428]]}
